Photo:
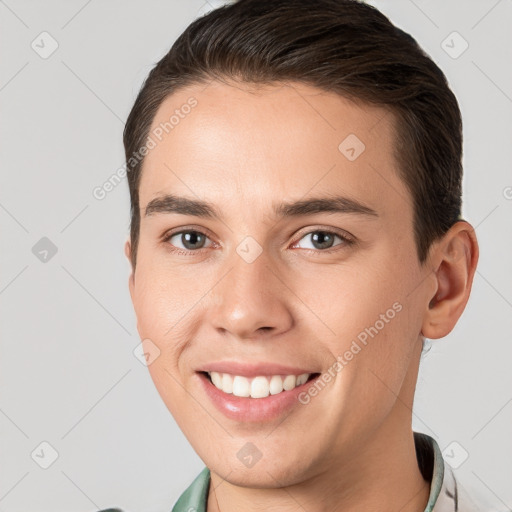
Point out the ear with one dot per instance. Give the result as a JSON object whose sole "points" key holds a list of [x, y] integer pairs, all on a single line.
{"points": [[131, 279], [454, 260]]}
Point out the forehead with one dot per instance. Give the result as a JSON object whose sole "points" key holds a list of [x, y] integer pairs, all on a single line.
{"points": [[267, 142]]}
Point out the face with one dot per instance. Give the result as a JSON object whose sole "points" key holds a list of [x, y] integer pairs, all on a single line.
{"points": [[302, 262]]}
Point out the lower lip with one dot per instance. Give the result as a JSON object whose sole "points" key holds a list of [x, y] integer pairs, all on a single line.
{"points": [[249, 409]]}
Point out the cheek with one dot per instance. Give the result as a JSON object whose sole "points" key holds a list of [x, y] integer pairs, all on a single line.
{"points": [[161, 300], [368, 320], [161, 312], [350, 299]]}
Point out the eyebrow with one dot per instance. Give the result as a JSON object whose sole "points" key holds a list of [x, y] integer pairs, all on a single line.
{"points": [[170, 203]]}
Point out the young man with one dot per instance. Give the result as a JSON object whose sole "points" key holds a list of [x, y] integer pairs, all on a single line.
{"points": [[296, 234]]}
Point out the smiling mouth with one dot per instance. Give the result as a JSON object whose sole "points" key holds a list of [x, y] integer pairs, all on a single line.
{"points": [[257, 387]]}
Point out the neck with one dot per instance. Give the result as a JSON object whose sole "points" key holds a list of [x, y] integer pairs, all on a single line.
{"points": [[388, 480], [381, 474]]}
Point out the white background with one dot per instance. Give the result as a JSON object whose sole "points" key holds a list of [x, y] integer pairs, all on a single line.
{"points": [[68, 375]]}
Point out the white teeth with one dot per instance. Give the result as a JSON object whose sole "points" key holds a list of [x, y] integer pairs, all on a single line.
{"points": [[289, 382], [301, 379], [276, 385], [227, 383], [216, 379], [241, 386], [258, 387]]}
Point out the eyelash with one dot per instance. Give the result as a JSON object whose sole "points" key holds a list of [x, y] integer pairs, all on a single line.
{"points": [[347, 241]]}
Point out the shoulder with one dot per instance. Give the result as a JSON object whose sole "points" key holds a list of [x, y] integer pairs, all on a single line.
{"points": [[195, 497], [466, 499], [448, 493]]}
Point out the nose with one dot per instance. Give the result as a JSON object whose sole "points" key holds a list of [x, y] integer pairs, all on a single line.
{"points": [[251, 300]]}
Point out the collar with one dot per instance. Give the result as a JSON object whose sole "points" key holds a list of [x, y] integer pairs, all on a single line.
{"points": [[443, 495]]}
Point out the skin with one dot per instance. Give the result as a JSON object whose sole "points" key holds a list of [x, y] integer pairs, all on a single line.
{"points": [[243, 148]]}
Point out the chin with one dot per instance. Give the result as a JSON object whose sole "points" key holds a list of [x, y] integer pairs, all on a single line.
{"points": [[273, 470], [262, 477]]}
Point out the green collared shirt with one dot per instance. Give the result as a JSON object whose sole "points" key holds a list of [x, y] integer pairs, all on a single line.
{"points": [[445, 496]]}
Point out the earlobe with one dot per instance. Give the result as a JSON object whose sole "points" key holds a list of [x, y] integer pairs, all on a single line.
{"points": [[128, 252], [455, 260], [131, 285]]}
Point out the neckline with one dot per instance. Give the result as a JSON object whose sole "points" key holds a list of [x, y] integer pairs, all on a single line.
{"points": [[428, 453]]}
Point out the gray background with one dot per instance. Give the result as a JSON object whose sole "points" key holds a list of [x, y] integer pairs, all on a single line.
{"points": [[68, 373]]}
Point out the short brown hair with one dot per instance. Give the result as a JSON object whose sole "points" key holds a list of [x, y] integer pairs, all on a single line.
{"points": [[341, 46]]}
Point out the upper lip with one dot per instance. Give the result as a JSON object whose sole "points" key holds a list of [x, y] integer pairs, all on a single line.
{"points": [[252, 369]]}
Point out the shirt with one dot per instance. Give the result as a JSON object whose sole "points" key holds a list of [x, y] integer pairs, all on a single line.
{"points": [[445, 493]]}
